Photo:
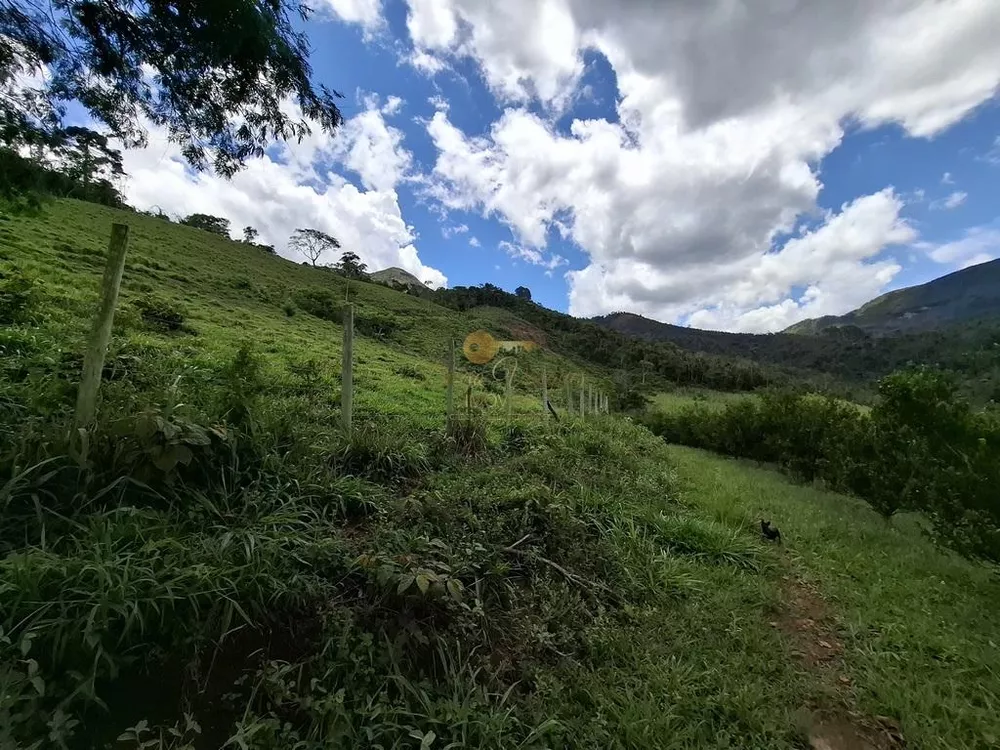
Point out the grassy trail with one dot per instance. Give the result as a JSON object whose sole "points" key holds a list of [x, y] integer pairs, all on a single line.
{"points": [[892, 637]]}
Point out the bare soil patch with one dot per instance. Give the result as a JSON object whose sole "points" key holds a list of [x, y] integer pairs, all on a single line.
{"points": [[834, 723]]}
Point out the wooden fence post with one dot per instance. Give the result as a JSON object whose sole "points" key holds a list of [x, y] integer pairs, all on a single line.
{"points": [[100, 334], [568, 388], [583, 391], [450, 398], [545, 393], [347, 371], [508, 380]]}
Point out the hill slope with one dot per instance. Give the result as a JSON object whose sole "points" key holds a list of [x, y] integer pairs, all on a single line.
{"points": [[969, 294], [215, 563], [396, 276], [971, 349]]}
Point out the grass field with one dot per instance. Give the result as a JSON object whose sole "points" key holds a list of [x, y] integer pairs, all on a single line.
{"points": [[919, 627], [681, 398], [215, 564]]}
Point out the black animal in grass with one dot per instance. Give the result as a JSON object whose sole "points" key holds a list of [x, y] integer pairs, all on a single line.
{"points": [[769, 532]]}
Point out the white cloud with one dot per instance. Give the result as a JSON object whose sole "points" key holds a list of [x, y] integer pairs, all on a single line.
{"points": [[438, 102], [293, 189], [365, 13], [993, 155], [526, 48], [450, 231], [953, 200], [474, 241], [947, 179], [532, 256], [977, 245], [519, 252], [723, 114], [373, 150], [392, 105], [425, 62]]}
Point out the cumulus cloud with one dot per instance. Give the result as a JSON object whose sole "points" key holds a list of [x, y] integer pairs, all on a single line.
{"points": [[527, 48], [294, 186], [365, 13], [683, 205], [474, 242]]}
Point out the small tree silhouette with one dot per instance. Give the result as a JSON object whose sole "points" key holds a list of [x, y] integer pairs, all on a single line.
{"points": [[312, 243]]}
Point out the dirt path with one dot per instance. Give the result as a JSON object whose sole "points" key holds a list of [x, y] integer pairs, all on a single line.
{"points": [[834, 722]]}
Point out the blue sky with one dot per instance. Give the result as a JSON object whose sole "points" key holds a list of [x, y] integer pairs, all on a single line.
{"points": [[686, 162]]}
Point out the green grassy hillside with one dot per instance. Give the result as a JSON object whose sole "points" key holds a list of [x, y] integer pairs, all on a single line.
{"points": [[213, 563], [963, 296]]}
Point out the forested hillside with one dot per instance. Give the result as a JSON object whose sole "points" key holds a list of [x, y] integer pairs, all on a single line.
{"points": [[959, 298], [971, 349]]}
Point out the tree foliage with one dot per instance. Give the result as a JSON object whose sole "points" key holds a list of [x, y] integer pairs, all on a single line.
{"points": [[921, 448], [250, 235], [350, 265], [87, 156], [214, 74], [312, 243], [24, 181], [523, 292], [213, 224]]}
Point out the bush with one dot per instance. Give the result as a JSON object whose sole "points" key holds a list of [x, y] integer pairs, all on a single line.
{"points": [[380, 327], [321, 303], [160, 314], [406, 371], [921, 448], [18, 296]]}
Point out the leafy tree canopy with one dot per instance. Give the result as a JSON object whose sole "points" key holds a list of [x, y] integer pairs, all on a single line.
{"points": [[250, 235], [220, 72], [523, 292], [350, 265], [213, 224], [312, 243]]}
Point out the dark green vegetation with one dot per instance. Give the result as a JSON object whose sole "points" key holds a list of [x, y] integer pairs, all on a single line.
{"points": [[214, 74], [967, 295], [921, 447], [662, 362], [855, 357], [215, 562]]}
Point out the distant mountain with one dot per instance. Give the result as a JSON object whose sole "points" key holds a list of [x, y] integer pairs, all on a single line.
{"points": [[396, 276], [970, 294]]}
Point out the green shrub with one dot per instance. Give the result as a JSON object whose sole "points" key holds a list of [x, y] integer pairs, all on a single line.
{"points": [[160, 314], [410, 372], [18, 296], [921, 448], [380, 327], [320, 303]]}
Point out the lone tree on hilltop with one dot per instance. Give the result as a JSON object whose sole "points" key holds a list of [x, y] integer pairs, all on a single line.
{"points": [[523, 292], [350, 265], [312, 243], [250, 235], [214, 224], [215, 75]]}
